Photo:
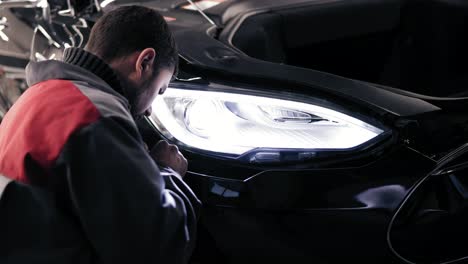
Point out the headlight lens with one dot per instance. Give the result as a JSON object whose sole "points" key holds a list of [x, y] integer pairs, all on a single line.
{"points": [[232, 123]]}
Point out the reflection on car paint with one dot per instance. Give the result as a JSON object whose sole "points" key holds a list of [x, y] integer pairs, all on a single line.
{"points": [[222, 191], [387, 196]]}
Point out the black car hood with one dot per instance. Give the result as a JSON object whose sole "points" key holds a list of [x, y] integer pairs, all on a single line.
{"points": [[200, 49], [198, 44]]}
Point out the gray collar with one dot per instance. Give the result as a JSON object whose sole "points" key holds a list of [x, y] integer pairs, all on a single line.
{"points": [[45, 70], [89, 61]]}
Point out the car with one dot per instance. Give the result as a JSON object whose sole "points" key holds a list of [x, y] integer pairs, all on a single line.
{"points": [[324, 131]]}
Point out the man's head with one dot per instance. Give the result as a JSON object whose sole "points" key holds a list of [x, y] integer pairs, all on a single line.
{"points": [[137, 43]]}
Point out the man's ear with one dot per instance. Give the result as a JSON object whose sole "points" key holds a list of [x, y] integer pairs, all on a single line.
{"points": [[145, 61]]}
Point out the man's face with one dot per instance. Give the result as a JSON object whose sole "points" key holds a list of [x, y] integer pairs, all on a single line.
{"points": [[149, 88]]}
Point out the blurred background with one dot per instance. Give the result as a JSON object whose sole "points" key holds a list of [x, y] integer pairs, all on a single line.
{"points": [[14, 55]]}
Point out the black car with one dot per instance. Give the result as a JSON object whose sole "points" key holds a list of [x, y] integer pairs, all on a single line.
{"points": [[317, 131]]}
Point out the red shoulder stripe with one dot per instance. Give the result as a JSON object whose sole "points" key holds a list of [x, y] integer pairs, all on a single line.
{"points": [[39, 125]]}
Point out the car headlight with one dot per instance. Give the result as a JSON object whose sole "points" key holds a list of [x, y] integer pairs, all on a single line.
{"points": [[234, 124]]}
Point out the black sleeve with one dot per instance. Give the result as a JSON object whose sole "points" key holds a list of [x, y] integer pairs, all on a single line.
{"points": [[124, 206]]}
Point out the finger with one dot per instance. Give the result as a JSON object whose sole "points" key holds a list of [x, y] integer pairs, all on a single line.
{"points": [[180, 154], [159, 147], [184, 167], [173, 148], [160, 153], [162, 143]]}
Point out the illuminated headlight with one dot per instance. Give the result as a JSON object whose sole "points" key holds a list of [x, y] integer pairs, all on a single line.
{"points": [[235, 124]]}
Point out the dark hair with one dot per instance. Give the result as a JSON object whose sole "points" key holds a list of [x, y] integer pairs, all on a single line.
{"points": [[127, 29]]}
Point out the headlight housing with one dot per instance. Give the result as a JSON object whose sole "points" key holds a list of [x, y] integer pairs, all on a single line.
{"points": [[233, 124]]}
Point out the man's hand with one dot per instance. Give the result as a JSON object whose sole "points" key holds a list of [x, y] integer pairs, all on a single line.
{"points": [[168, 155]]}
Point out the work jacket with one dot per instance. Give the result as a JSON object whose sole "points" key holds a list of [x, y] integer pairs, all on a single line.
{"points": [[79, 184]]}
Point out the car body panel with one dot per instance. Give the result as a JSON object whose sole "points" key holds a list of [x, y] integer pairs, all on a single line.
{"points": [[333, 214]]}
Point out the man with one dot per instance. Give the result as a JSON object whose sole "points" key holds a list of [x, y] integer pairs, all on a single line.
{"points": [[85, 189]]}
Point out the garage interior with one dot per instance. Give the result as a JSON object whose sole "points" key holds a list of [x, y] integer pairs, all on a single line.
{"points": [[398, 67]]}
